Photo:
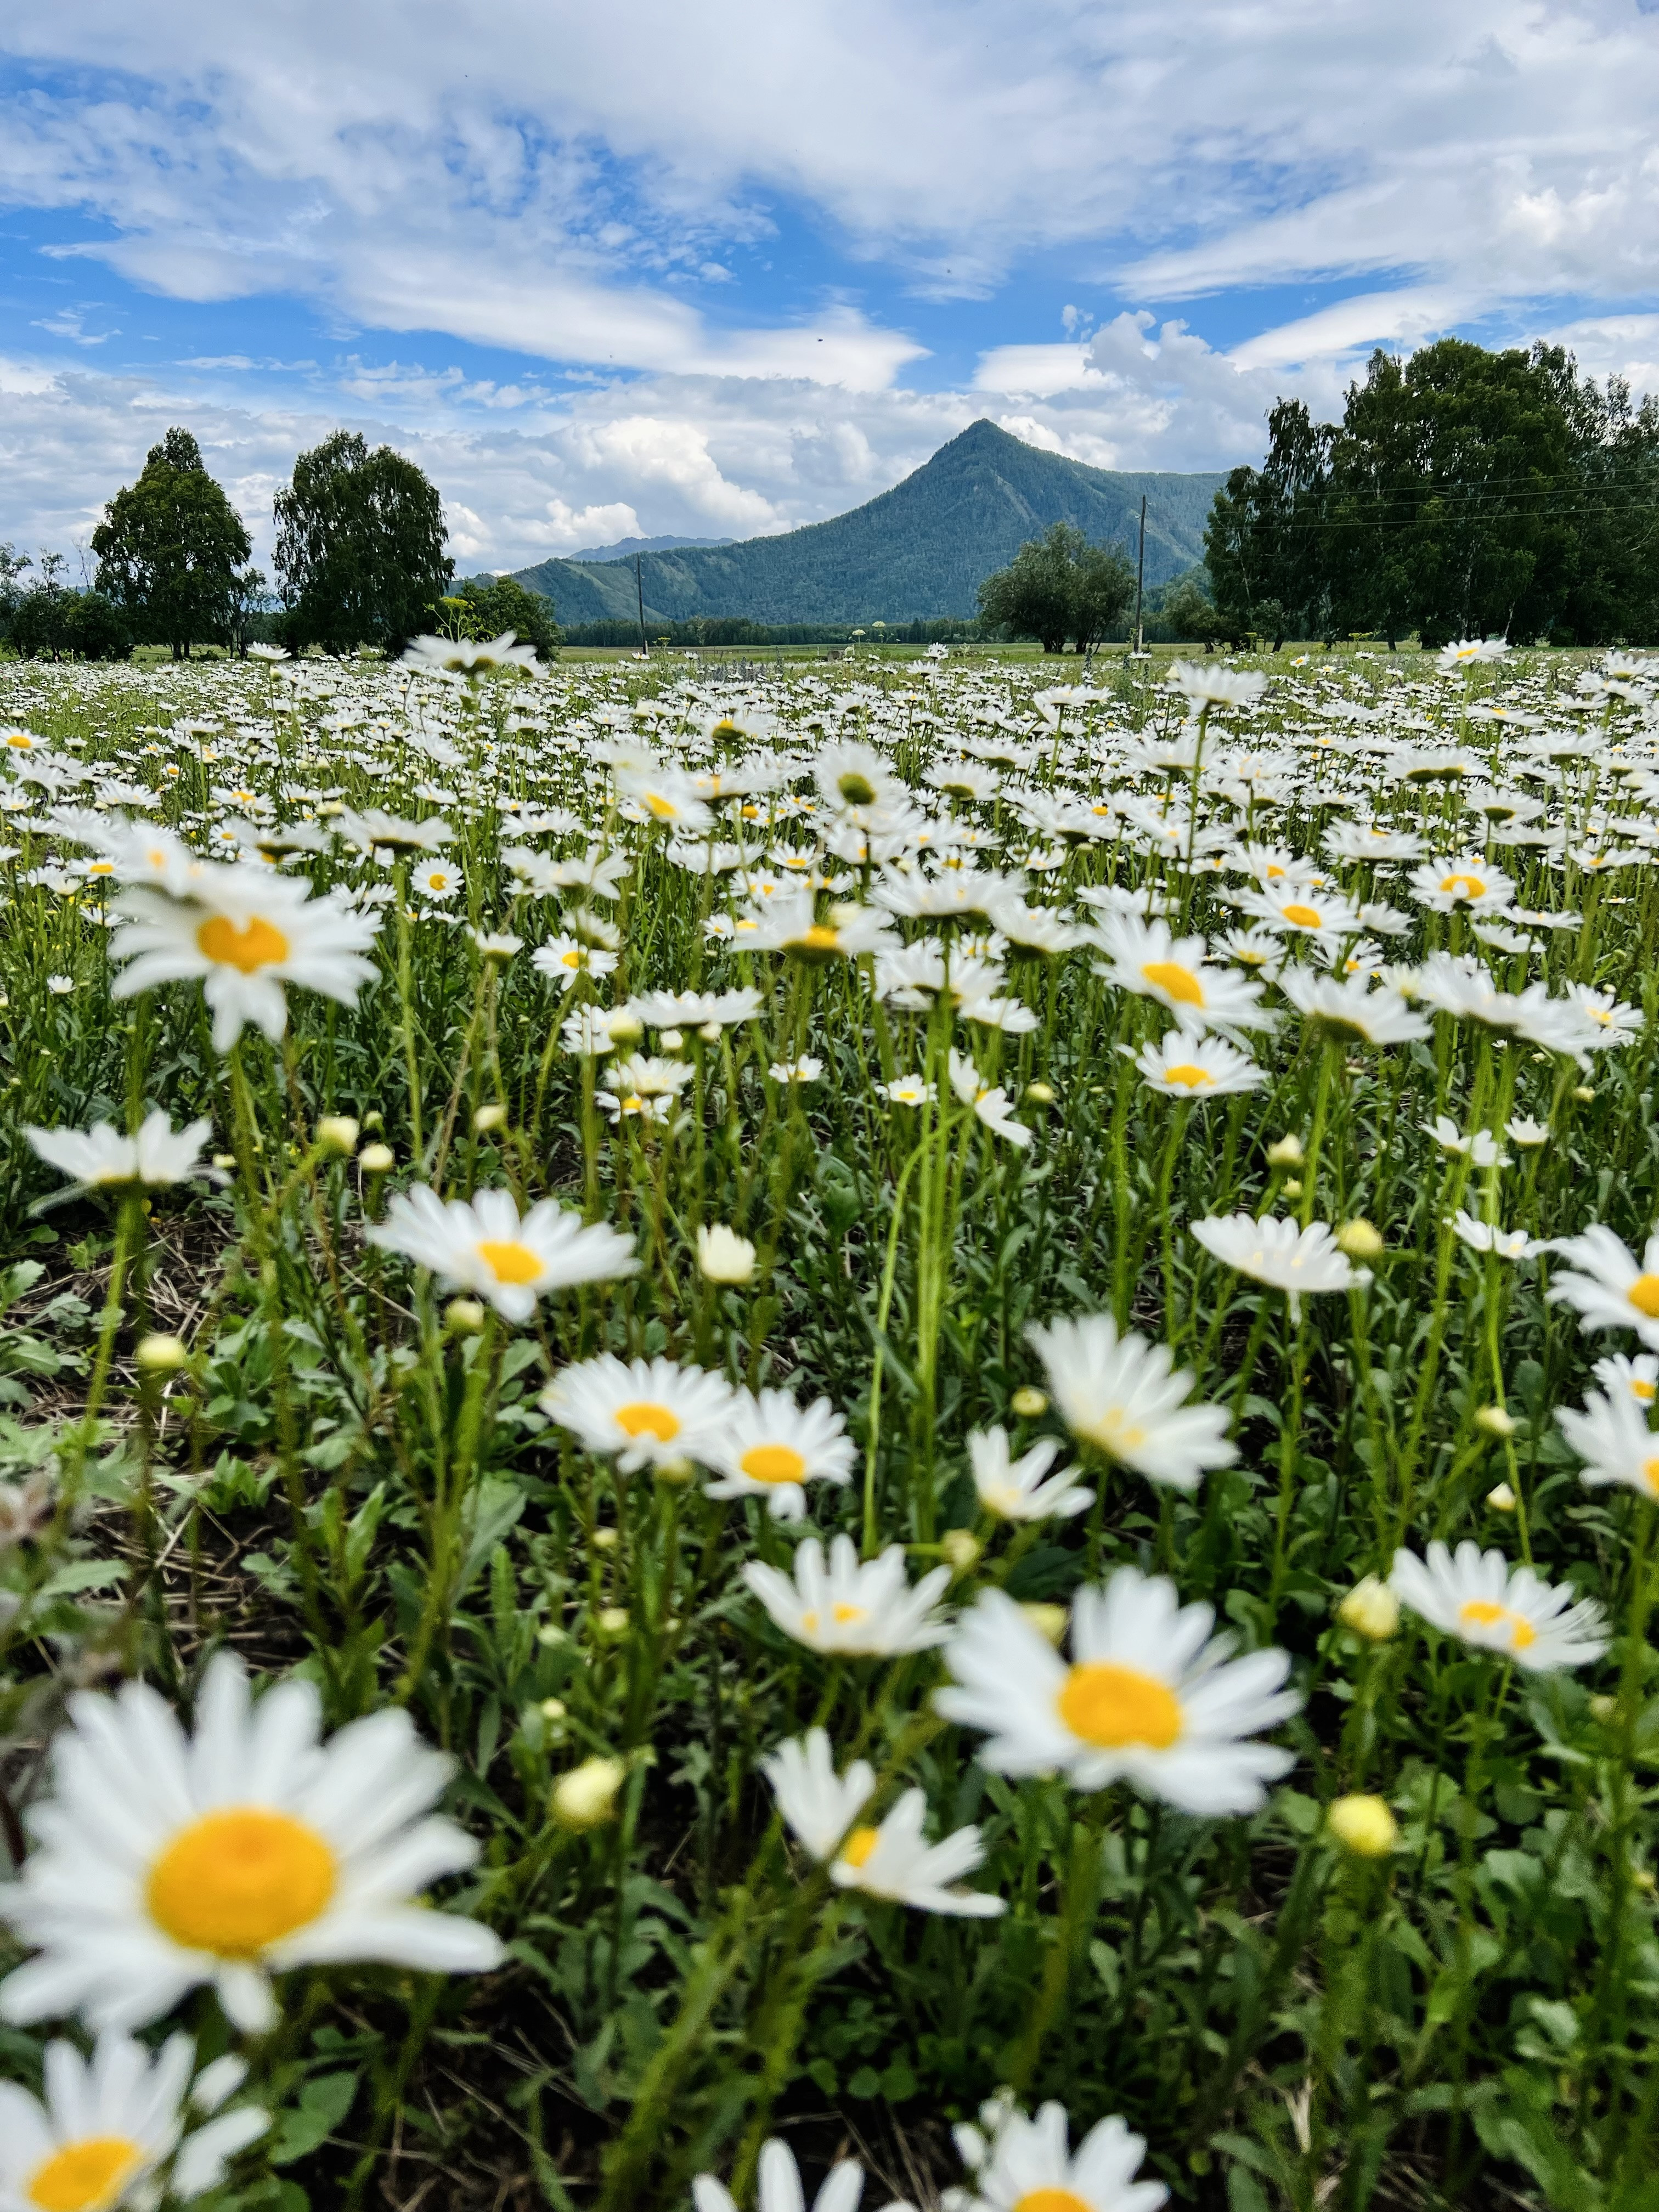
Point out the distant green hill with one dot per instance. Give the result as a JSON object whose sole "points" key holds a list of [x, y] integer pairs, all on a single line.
{"points": [[917, 551]]}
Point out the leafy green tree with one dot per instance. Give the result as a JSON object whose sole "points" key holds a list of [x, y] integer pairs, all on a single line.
{"points": [[1058, 586], [360, 546], [1186, 613], [50, 623], [485, 606], [169, 548]]}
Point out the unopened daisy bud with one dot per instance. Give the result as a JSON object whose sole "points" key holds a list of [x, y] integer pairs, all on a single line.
{"points": [[1495, 1422], [710, 1032], [624, 1028], [1603, 1709], [1372, 1610], [672, 1040], [1364, 1826], [488, 1118], [160, 1355], [552, 1708], [960, 1549], [612, 1621], [1294, 1187], [375, 1118], [1502, 1499], [1049, 1620], [550, 1636], [1285, 1152], [1040, 1094], [1642, 1879], [604, 1539], [338, 1133], [723, 1256], [1583, 1092], [463, 1317], [676, 1470], [1029, 1403], [223, 1160], [377, 1159], [587, 1796], [1360, 1238]]}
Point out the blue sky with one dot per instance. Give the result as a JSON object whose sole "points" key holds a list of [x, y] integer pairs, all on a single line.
{"points": [[725, 270]]}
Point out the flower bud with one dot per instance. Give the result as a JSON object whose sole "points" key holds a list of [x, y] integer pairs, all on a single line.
{"points": [[623, 1027], [1583, 1093], [1495, 1422], [1364, 1826], [612, 1621], [1040, 1094], [463, 1317], [604, 1539], [1293, 1186], [960, 1549], [587, 1796], [672, 1040], [338, 1133], [377, 1159], [1049, 1620], [1029, 1403], [488, 1118], [710, 1032], [1604, 1709], [723, 1256], [1360, 1239], [1372, 1610], [552, 1708], [160, 1355], [1286, 1152], [1502, 1499]]}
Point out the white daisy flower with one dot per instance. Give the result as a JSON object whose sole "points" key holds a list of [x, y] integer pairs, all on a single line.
{"points": [[909, 1091], [485, 1247], [1349, 1012], [243, 932], [991, 1105], [1618, 1024], [564, 960], [1468, 882], [1638, 1378], [1298, 910], [1143, 958], [1150, 1698], [1187, 1066], [819, 1806], [163, 1862], [893, 1864], [648, 1413], [851, 1608], [1487, 1236], [1127, 1398], [806, 1069], [109, 2126], [1476, 1596], [1480, 1149], [100, 1159], [1217, 686], [790, 924], [1612, 1437], [1021, 2165], [1605, 1285], [1301, 1262], [780, 2187], [1014, 1489], [771, 1448]]}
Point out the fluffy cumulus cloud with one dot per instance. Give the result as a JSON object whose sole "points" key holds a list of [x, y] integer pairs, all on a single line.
{"points": [[722, 270]]}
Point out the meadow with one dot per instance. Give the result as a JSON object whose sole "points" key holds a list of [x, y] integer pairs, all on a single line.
{"points": [[881, 1435]]}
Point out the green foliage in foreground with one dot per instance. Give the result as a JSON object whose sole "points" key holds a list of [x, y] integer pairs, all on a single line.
{"points": [[344, 1482]]}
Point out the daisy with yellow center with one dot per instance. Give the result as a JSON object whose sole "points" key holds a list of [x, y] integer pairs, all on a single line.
{"points": [[244, 932], [643, 1412], [852, 1608], [1127, 1397], [1016, 2163], [771, 1447], [1150, 1697], [1611, 1434], [483, 1247], [1479, 1598], [257, 1850], [1185, 1067], [1143, 958], [1466, 883], [1605, 1284]]}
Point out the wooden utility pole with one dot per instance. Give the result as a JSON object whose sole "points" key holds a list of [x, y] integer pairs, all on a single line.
{"points": [[639, 586], [1140, 580]]}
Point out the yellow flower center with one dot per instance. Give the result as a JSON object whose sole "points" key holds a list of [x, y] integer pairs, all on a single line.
{"points": [[84, 2176], [1175, 981], [1272, 870], [772, 1463], [1469, 887], [1643, 1295], [254, 945], [860, 1844], [1115, 1706], [1483, 1612], [821, 939], [1304, 917], [1651, 1474], [508, 1260], [844, 1615], [571, 959], [1645, 1391], [1113, 1431], [642, 1418], [1189, 1074], [664, 809], [1052, 2200], [238, 1880]]}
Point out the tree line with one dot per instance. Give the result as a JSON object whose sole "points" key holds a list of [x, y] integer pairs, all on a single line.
{"points": [[1464, 493], [359, 560]]}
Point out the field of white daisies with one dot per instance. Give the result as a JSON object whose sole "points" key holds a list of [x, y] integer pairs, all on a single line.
{"points": [[869, 1436]]}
